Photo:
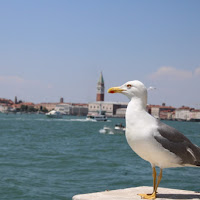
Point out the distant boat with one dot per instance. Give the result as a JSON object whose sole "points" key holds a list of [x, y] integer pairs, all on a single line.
{"points": [[120, 127], [97, 117], [54, 114]]}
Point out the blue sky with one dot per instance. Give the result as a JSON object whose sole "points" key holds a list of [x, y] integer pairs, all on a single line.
{"points": [[52, 49]]}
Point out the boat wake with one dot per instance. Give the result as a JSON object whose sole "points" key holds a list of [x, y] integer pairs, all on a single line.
{"points": [[84, 120], [111, 131], [65, 120], [103, 131], [79, 120]]}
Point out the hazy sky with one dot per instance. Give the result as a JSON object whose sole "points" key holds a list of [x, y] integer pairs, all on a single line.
{"points": [[52, 49]]}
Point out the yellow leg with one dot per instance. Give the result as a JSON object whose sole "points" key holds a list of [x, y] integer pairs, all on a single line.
{"points": [[155, 186], [154, 179], [159, 179]]}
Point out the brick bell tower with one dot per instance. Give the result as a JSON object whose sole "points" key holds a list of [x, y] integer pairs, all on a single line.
{"points": [[100, 89]]}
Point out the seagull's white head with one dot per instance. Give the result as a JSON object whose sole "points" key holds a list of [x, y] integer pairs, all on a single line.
{"points": [[132, 89]]}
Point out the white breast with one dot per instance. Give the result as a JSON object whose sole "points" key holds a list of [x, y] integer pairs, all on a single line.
{"points": [[140, 131]]}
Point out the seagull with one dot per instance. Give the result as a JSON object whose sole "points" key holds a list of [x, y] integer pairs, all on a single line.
{"points": [[161, 145]]}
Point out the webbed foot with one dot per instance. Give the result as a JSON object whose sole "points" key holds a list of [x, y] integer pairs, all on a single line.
{"points": [[148, 196]]}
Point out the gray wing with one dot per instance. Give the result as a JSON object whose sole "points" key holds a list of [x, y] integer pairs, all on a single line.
{"points": [[177, 143]]}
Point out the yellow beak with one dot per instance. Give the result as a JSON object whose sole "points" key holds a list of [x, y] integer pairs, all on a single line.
{"points": [[115, 90]]}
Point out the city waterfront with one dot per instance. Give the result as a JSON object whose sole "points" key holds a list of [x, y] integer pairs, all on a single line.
{"points": [[46, 159]]}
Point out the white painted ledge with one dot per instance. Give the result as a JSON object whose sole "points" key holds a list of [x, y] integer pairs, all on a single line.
{"points": [[131, 194]]}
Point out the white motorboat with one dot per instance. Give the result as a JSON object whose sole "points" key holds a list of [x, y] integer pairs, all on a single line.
{"points": [[97, 118], [54, 114]]}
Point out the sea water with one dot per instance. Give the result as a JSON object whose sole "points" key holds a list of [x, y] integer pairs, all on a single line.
{"points": [[54, 159]]}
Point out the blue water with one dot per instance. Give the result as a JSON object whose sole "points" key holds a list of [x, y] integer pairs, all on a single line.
{"points": [[45, 159]]}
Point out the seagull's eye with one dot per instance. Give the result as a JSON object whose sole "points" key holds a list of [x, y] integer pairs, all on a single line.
{"points": [[129, 86]]}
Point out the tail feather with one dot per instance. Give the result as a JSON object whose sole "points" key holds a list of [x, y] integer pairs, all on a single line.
{"points": [[197, 162]]}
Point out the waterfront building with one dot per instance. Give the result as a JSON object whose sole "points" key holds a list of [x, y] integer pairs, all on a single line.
{"points": [[161, 111], [79, 109], [110, 109], [187, 114], [100, 89], [166, 115], [63, 108], [195, 115], [182, 113], [72, 109], [5, 108], [6, 105], [121, 112], [48, 106]]}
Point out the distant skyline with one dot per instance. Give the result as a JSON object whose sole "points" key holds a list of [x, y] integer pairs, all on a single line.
{"points": [[51, 49]]}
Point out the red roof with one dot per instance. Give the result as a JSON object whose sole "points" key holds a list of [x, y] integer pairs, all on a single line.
{"points": [[159, 106], [184, 108], [166, 111], [195, 110], [6, 101]]}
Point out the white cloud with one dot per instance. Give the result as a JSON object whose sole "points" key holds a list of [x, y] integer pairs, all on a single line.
{"points": [[175, 87], [171, 73]]}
